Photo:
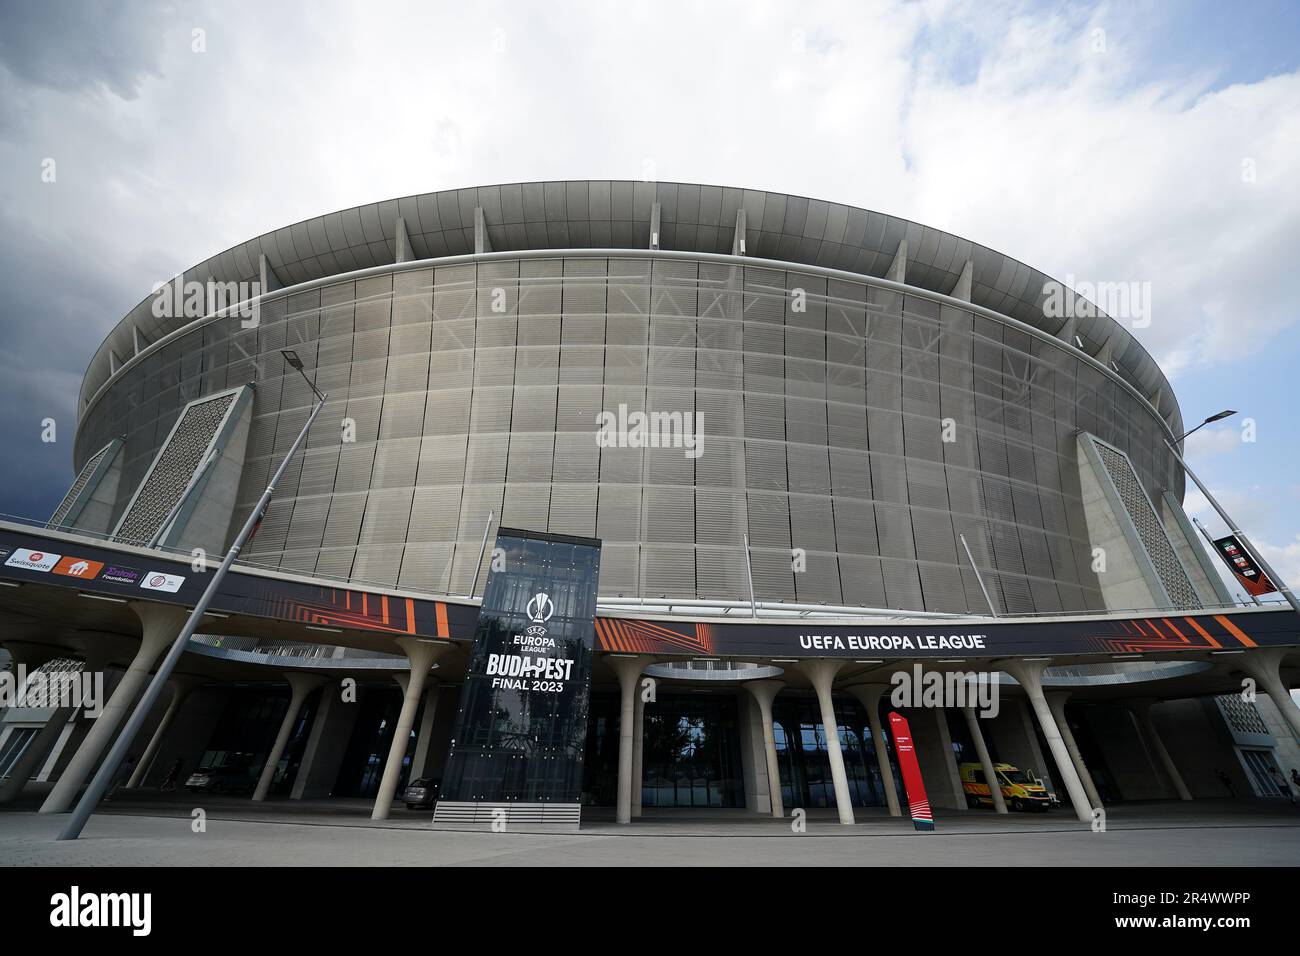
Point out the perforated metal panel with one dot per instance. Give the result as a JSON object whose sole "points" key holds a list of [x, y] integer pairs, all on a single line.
{"points": [[81, 483], [1150, 530], [478, 387], [185, 450]]}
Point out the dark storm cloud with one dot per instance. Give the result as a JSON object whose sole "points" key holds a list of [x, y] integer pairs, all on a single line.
{"points": [[52, 317], [77, 44], [59, 294]]}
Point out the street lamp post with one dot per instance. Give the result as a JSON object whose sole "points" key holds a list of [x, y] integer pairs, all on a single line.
{"points": [[1264, 566], [95, 791]]}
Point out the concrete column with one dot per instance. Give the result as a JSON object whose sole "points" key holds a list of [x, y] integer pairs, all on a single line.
{"points": [[425, 732], [300, 686], [638, 749], [37, 752], [182, 684], [1265, 666], [869, 696], [1142, 711], [422, 655], [1029, 675], [1056, 700], [948, 756], [160, 624], [986, 762], [822, 675], [330, 729], [627, 669], [764, 692]]}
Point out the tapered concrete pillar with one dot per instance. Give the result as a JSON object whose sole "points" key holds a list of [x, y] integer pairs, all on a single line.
{"points": [[1029, 675], [1141, 710], [822, 675], [628, 669], [160, 624], [1056, 700], [947, 755], [300, 685], [181, 684], [37, 752], [764, 692], [322, 755], [422, 655], [424, 734], [986, 762], [638, 748], [1265, 665], [868, 696]]}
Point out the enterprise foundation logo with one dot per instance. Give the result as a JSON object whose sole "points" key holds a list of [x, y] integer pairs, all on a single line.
{"points": [[76, 909]]}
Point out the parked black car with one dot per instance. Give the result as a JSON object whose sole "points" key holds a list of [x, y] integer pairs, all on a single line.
{"points": [[237, 779], [421, 794]]}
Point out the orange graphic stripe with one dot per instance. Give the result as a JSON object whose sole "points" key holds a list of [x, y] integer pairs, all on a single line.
{"points": [[1235, 631], [1173, 627], [1203, 632], [440, 612]]}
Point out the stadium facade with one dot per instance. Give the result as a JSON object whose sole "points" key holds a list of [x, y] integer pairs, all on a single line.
{"points": [[821, 413]]}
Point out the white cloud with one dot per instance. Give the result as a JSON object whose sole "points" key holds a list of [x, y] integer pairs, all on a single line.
{"points": [[1285, 559], [1213, 441], [996, 121]]}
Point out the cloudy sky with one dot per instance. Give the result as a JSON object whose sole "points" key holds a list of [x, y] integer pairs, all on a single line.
{"points": [[1155, 143]]}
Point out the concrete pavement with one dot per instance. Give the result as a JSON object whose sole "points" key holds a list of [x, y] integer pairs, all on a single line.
{"points": [[148, 831]]}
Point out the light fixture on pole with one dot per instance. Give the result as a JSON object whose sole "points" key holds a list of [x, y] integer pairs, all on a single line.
{"points": [[1232, 525], [1216, 417], [108, 769]]}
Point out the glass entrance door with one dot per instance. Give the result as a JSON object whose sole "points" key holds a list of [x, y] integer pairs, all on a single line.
{"points": [[692, 752]]}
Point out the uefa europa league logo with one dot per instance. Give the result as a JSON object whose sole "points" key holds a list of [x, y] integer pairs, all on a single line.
{"points": [[539, 610]]}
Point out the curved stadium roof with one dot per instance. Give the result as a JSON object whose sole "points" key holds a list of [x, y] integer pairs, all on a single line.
{"points": [[616, 215]]}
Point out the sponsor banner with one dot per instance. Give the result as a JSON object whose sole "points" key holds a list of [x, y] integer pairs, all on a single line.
{"points": [[158, 581], [1175, 633], [32, 560], [126, 573], [522, 727], [119, 574], [244, 592], [1243, 567], [82, 568], [904, 749]]}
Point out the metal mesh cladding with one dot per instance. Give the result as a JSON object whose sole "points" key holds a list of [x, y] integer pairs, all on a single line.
{"points": [[171, 473], [1172, 575]]}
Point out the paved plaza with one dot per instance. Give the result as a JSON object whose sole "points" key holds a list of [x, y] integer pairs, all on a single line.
{"points": [[150, 831]]}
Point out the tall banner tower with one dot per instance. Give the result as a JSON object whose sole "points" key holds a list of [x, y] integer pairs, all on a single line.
{"points": [[517, 751]]}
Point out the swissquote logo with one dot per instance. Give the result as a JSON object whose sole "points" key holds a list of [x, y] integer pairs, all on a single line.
{"points": [[539, 610], [32, 560], [77, 909]]}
